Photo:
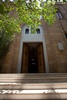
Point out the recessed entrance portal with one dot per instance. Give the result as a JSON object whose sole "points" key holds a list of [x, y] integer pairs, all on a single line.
{"points": [[33, 59]]}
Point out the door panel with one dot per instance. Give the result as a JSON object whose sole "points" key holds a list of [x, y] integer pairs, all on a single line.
{"points": [[40, 59], [33, 63], [25, 59]]}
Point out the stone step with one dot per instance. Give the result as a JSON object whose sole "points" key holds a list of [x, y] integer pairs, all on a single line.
{"points": [[43, 96], [33, 86], [33, 75], [33, 78]]}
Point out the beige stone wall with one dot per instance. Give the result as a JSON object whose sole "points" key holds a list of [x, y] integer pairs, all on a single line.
{"points": [[11, 58], [57, 59]]}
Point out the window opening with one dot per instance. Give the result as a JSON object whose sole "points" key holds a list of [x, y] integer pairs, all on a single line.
{"points": [[38, 31], [27, 31], [59, 15]]}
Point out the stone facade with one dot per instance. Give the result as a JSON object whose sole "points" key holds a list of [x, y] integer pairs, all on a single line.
{"points": [[57, 58], [11, 58], [54, 34]]}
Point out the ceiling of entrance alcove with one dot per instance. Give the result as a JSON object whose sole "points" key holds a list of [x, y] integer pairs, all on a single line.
{"points": [[33, 45]]}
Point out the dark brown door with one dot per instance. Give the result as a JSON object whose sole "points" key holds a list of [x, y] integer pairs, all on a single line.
{"points": [[40, 59], [32, 61], [25, 59], [33, 58]]}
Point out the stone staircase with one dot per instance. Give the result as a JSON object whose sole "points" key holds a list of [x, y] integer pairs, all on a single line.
{"points": [[33, 86]]}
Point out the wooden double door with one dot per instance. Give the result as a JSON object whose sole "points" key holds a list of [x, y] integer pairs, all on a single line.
{"points": [[33, 58]]}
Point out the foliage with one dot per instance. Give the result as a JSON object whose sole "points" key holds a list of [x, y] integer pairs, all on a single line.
{"points": [[24, 11], [4, 42], [27, 13]]}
